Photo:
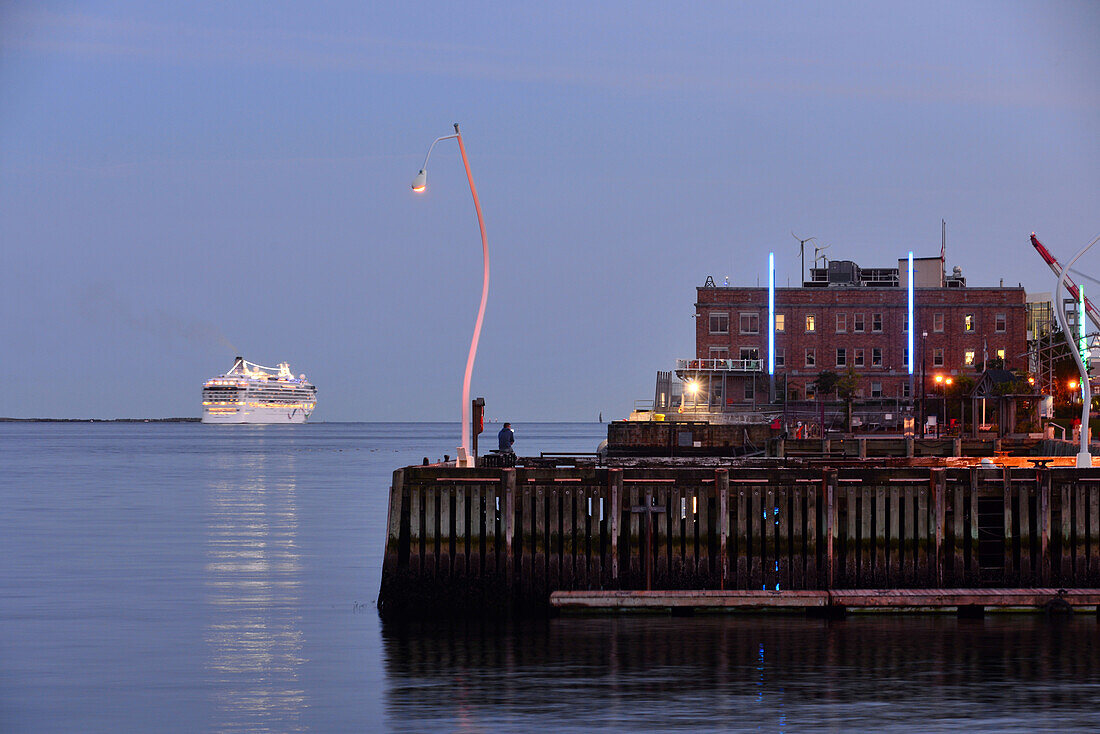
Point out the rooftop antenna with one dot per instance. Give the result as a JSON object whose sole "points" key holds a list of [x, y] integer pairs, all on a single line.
{"points": [[802, 251]]}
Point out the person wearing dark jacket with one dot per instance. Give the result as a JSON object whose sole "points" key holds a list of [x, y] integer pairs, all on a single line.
{"points": [[506, 438]]}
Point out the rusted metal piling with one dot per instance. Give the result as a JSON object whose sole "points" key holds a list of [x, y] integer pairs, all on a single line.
{"points": [[501, 541]]}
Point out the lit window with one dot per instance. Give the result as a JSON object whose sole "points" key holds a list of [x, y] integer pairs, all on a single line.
{"points": [[841, 357], [750, 323], [1001, 354], [859, 358], [780, 322], [719, 323], [876, 322], [841, 322], [876, 357], [811, 323], [811, 390], [968, 357], [1002, 322], [937, 357], [857, 322], [937, 322], [811, 358], [968, 322]]}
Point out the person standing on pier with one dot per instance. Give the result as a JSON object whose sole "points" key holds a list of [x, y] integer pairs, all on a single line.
{"points": [[506, 438]]}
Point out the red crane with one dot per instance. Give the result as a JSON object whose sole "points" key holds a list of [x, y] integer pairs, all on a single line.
{"points": [[1056, 266]]}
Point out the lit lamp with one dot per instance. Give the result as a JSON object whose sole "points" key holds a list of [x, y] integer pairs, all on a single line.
{"points": [[419, 184]]}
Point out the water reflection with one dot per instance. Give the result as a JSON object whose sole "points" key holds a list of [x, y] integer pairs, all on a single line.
{"points": [[252, 577], [742, 673]]}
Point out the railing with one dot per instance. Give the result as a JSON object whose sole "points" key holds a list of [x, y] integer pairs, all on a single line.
{"points": [[721, 365]]}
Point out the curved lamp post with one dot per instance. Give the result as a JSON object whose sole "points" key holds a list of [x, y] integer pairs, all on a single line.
{"points": [[419, 184], [1084, 459]]}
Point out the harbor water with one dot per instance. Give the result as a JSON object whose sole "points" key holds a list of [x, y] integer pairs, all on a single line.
{"points": [[186, 577]]}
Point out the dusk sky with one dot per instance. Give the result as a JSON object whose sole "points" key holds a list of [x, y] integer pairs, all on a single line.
{"points": [[183, 182]]}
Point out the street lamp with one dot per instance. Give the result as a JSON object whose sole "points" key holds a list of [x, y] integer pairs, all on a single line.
{"points": [[1084, 458], [419, 184]]}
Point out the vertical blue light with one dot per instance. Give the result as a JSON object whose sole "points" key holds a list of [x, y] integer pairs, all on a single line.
{"points": [[771, 313], [912, 323]]}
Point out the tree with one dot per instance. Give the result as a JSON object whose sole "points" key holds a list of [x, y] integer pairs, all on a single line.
{"points": [[826, 383], [846, 389]]}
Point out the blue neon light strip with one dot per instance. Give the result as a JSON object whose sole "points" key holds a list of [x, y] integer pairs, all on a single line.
{"points": [[912, 324], [771, 313]]}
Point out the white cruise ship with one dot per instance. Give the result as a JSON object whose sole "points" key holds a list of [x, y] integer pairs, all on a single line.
{"points": [[252, 393]]}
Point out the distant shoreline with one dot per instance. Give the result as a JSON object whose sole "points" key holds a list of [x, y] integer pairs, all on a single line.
{"points": [[99, 420]]}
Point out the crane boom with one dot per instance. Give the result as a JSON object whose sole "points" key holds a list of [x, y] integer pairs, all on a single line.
{"points": [[1056, 266]]}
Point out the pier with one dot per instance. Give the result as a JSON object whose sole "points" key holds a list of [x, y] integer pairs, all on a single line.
{"points": [[731, 534]]}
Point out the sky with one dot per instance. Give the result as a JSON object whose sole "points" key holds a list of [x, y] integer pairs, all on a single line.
{"points": [[184, 182]]}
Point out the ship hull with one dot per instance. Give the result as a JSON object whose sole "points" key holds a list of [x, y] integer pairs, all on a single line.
{"points": [[263, 415]]}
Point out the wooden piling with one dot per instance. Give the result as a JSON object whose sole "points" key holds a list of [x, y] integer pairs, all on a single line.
{"points": [[722, 481]]}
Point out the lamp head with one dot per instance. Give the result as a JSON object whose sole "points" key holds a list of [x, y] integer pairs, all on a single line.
{"points": [[420, 182]]}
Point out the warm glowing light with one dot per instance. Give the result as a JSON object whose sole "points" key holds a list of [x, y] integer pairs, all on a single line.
{"points": [[948, 381], [693, 387], [939, 379], [1072, 384], [1031, 380], [421, 181]]}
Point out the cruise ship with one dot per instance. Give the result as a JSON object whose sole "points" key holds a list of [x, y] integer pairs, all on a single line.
{"points": [[252, 393]]}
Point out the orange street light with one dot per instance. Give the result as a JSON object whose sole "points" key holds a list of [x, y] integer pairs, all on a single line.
{"points": [[939, 379], [1072, 384], [948, 381], [419, 184]]}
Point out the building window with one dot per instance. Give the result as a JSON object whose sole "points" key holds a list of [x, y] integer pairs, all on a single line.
{"points": [[905, 357], [905, 321], [811, 323], [937, 322], [1002, 323], [1001, 355], [876, 389], [811, 359], [841, 357], [719, 323], [750, 323], [841, 323], [859, 358], [876, 322], [750, 354], [857, 323], [750, 390], [811, 390], [937, 357], [905, 389], [968, 322], [968, 358], [779, 359], [719, 353], [876, 357], [780, 322]]}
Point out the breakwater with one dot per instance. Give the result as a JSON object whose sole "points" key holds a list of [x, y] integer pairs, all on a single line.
{"points": [[500, 541]]}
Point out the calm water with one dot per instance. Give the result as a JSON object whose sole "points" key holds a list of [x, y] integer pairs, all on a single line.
{"points": [[179, 577]]}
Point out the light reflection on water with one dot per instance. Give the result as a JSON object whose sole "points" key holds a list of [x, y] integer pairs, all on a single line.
{"points": [[254, 638]]}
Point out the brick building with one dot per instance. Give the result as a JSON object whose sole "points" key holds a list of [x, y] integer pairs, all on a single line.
{"points": [[846, 317]]}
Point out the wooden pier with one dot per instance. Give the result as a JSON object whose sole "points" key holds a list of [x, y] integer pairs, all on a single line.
{"points": [[502, 541]]}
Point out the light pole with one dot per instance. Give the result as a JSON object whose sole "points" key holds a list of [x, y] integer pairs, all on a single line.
{"points": [[1084, 458], [923, 381], [420, 183]]}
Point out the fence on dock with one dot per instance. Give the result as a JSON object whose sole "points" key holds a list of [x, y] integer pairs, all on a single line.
{"points": [[485, 541]]}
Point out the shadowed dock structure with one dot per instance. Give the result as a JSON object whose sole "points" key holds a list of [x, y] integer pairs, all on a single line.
{"points": [[530, 539]]}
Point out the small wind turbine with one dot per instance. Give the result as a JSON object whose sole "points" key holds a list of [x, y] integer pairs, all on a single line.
{"points": [[802, 251], [819, 256]]}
